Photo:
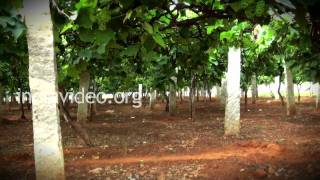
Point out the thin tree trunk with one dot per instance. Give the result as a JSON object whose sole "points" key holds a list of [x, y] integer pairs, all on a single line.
{"points": [[14, 100], [204, 95], [197, 90], [271, 92], [173, 99], [93, 106], [82, 114], [64, 94], [10, 103], [28, 103], [209, 93], [2, 95], [146, 93], [253, 88], [6, 97], [277, 84], [318, 96], [232, 112], [48, 151], [181, 96], [257, 91], [191, 98], [299, 95], [246, 100], [67, 102], [166, 98], [1, 105], [279, 90], [22, 116], [91, 111], [206, 89], [291, 107], [76, 126], [311, 89]]}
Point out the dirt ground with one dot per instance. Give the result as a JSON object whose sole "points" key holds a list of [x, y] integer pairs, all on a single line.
{"points": [[142, 144]]}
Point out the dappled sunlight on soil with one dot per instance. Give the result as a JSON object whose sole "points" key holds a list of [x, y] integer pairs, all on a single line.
{"points": [[242, 150]]}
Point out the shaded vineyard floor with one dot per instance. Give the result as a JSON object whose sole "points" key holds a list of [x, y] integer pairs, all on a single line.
{"points": [[142, 144]]}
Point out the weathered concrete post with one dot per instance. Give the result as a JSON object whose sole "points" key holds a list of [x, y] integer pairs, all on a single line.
{"points": [[223, 92], [83, 106], [48, 153], [232, 112], [153, 98]]}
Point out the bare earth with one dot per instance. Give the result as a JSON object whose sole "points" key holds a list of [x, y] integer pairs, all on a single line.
{"points": [[143, 144]]}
